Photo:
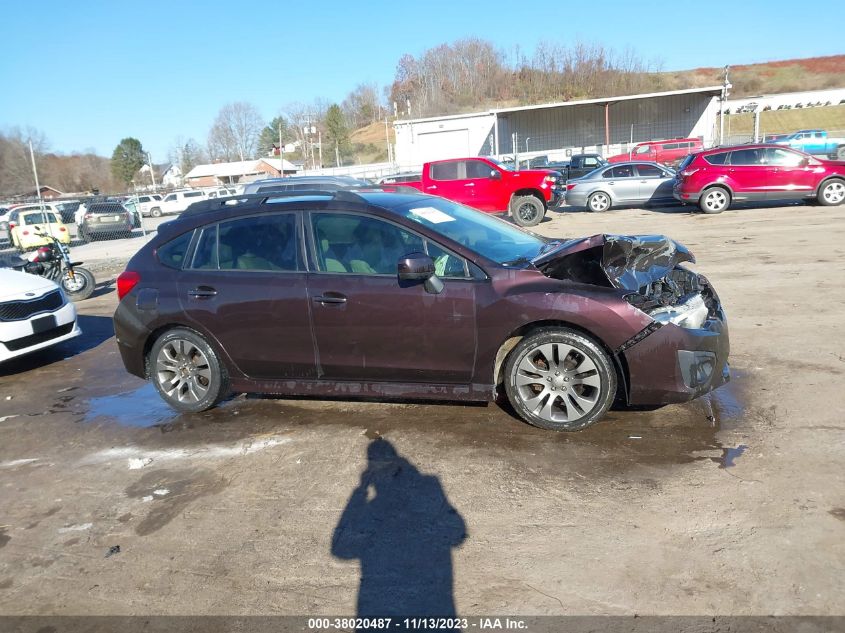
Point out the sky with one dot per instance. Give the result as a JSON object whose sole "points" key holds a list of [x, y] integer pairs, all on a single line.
{"points": [[89, 73]]}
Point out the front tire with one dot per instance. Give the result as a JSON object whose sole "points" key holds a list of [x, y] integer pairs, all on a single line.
{"points": [[155, 212], [186, 371], [715, 200], [559, 379], [840, 152], [599, 202], [80, 286], [527, 210], [832, 193]]}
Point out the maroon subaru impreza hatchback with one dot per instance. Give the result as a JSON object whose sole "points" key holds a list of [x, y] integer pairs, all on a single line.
{"points": [[393, 295]]}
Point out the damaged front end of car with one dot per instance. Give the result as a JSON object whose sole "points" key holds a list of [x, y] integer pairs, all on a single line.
{"points": [[683, 352]]}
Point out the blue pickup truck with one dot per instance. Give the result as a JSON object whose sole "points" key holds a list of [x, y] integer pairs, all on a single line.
{"points": [[815, 142]]}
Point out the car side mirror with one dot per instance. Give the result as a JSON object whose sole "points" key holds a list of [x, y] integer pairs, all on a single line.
{"points": [[805, 162], [419, 267], [495, 174]]}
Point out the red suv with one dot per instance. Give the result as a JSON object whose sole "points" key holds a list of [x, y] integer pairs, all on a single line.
{"points": [[715, 178]]}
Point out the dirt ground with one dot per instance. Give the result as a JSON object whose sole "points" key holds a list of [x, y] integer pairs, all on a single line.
{"points": [[734, 504]]}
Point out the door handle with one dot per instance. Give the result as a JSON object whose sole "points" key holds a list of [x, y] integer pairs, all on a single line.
{"points": [[432, 187], [469, 184], [644, 182], [330, 299], [202, 292], [611, 183]]}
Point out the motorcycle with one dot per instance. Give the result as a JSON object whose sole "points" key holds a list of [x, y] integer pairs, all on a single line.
{"points": [[53, 262]]}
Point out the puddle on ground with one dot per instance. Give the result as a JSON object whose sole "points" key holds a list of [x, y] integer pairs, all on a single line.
{"points": [[729, 455], [674, 434], [141, 407]]}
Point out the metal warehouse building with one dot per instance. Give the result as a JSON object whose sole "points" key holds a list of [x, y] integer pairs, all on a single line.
{"points": [[608, 125]]}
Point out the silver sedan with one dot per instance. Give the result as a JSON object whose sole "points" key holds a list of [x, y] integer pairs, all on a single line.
{"points": [[621, 183]]}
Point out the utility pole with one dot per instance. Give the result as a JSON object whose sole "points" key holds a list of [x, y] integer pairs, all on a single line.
{"points": [[336, 155], [281, 152], [37, 185], [726, 86], [320, 143]]}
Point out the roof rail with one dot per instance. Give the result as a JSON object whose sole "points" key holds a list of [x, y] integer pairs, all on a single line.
{"points": [[215, 204]]}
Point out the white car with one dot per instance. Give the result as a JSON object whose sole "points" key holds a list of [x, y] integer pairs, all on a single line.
{"points": [[145, 202], [176, 202], [34, 314]]}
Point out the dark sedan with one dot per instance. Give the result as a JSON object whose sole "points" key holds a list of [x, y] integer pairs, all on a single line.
{"points": [[375, 294]]}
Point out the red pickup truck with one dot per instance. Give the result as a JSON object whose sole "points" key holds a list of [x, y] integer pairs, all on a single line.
{"points": [[487, 185]]}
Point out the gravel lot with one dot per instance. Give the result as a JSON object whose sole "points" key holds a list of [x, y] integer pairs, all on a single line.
{"points": [[734, 504]]}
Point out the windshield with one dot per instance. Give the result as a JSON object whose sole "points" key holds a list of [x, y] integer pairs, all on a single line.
{"points": [[489, 236]]}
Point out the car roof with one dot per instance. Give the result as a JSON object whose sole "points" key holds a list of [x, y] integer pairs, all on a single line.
{"points": [[730, 148]]}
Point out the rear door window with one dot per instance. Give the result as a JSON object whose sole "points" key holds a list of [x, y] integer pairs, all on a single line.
{"points": [[650, 171], [193, 194], [747, 157], [266, 243], [445, 171], [622, 171]]}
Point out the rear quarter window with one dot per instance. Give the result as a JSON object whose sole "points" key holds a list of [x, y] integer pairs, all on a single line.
{"points": [[717, 159], [172, 254]]}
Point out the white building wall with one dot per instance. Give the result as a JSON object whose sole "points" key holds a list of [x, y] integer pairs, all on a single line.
{"points": [[446, 137]]}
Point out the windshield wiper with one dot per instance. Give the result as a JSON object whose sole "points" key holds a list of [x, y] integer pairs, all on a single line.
{"points": [[517, 261], [548, 246]]}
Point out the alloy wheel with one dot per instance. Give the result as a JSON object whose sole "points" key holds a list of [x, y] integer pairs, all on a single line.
{"points": [[183, 371], [558, 382], [527, 212], [715, 200], [834, 193], [599, 202]]}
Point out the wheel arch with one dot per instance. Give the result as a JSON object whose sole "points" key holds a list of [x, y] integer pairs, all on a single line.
{"points": [[826, 180], [529, 191], [160, 330], [513, 338], [718, 185]]}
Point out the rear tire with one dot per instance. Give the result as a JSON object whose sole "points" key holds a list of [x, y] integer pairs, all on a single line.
{"points": [[559, 379], [527, 210], [155, 212], [715, 200], [599, 202], [186, 371], [840, 152], [832, 193]]}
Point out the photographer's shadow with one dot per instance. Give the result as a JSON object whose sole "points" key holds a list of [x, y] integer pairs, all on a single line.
{"points": [[400, 525]]}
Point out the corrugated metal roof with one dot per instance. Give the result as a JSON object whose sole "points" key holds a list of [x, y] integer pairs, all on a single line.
{"points": [[713, 90]]}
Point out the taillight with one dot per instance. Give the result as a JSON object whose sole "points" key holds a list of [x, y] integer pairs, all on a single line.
{"points": [[688, 172], [88, 216], [62, 229], [127, 280], [570, 186], [25, 232], [12, 225]]}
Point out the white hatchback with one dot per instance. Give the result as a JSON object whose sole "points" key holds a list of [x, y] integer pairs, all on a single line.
{"points": [[34, 314]]}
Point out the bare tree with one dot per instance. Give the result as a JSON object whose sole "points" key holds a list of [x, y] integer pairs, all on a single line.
{"points": [[234, 133]]}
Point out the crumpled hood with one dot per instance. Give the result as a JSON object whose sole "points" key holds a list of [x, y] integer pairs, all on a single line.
{"points": [[629, 261]]}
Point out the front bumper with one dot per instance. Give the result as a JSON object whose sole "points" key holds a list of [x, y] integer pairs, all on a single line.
{"points": [[675, 364], [20, 334], [557, 198]]}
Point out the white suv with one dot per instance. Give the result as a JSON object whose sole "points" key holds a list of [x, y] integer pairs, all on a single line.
{"points": [[144, 203], [176, 202]]}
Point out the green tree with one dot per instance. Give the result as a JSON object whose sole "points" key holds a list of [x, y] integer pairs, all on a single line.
{"points": [[128, 157], [337, 134], [270, 135]]}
